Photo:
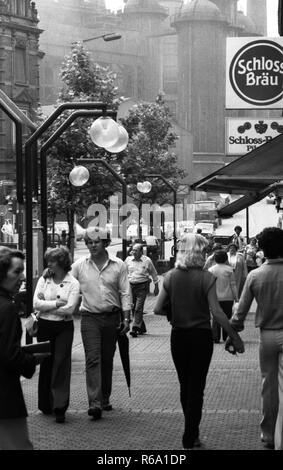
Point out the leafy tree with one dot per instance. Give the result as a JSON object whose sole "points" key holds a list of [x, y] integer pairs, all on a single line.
{"points": [[150, 150], [83, 80]]}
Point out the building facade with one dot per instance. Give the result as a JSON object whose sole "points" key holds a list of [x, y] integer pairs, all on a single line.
{"points": [[19, 71], [171, 46]]}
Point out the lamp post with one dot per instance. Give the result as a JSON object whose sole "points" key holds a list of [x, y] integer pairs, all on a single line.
{"points": [[144, 188], [106, 37], [174, 191], [29, 165], [43, 151]]}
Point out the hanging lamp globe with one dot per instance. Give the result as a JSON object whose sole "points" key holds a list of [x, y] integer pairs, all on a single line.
{"points": [[104, 132], [122, 142], [147, 187], [144, 187], [79, 176]]}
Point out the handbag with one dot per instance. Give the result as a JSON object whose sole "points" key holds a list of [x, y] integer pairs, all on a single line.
{"points": [[31, 324]]}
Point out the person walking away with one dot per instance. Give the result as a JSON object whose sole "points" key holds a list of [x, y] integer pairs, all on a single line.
{"points": [[14, 363], [210, 260], [105, 306], [192, 294], [140, 270], [265, 285], [237, 261], [55, 298], [226, 291], [237, 239]]}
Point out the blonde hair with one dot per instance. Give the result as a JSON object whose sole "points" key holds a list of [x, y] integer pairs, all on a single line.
{"points": [[191, 251]]}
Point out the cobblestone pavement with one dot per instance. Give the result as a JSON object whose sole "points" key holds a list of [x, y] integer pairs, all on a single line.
{"points": [[151, 419]]}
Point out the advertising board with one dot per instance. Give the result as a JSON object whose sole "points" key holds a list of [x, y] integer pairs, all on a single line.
{"points": [[254, 73], [244, 134]]}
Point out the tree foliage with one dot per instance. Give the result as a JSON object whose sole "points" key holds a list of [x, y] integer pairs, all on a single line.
{"points": [[150, 151], [150, 148], [83, 81]]}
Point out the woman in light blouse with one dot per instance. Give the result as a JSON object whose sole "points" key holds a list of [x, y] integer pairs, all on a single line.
{"points": [[56, 298]]}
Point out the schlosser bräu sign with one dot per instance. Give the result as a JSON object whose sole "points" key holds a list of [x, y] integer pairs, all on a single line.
{"points": [[254, 73]]}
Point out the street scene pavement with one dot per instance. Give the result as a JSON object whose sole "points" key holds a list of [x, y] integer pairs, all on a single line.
{"points": [[151, 418]]}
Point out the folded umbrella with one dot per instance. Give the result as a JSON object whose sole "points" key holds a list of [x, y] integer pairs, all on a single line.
{"points": [[123, 343]]}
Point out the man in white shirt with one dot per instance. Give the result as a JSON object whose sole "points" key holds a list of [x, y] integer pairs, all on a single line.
{"points": [[140, 270], [106, 302]]}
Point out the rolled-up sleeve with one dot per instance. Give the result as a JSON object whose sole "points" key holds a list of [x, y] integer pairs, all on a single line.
{"points": [[124, 288]]}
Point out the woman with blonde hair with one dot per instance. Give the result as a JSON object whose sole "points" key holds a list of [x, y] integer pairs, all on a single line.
{"points": [[192, 294]]}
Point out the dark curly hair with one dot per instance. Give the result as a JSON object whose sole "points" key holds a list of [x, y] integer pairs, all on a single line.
{"points": [[6, 256], [60, 254], [270, 241], [220, 256]]}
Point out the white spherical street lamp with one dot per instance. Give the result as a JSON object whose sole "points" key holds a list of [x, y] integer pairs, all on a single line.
{"points": [[144, 187], [79, 176], [104, 132], [122, 142]]}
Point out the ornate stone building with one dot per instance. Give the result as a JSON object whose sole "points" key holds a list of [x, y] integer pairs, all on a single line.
{"points": [[172, 46], [19, 71]]}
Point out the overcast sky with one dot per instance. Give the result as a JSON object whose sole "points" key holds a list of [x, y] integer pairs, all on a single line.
{"points": [[271, 11]]}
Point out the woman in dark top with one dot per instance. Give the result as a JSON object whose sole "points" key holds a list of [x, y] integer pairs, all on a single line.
{"points": [[192, 293], [13, 361]]}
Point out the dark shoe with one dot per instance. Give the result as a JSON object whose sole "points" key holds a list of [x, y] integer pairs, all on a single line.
{"points": [[197, 443], [188, 445], [47, 412], [143, 329], [95, 413], [267, 444], [60, 419], [135, 332], [107, 407]]}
